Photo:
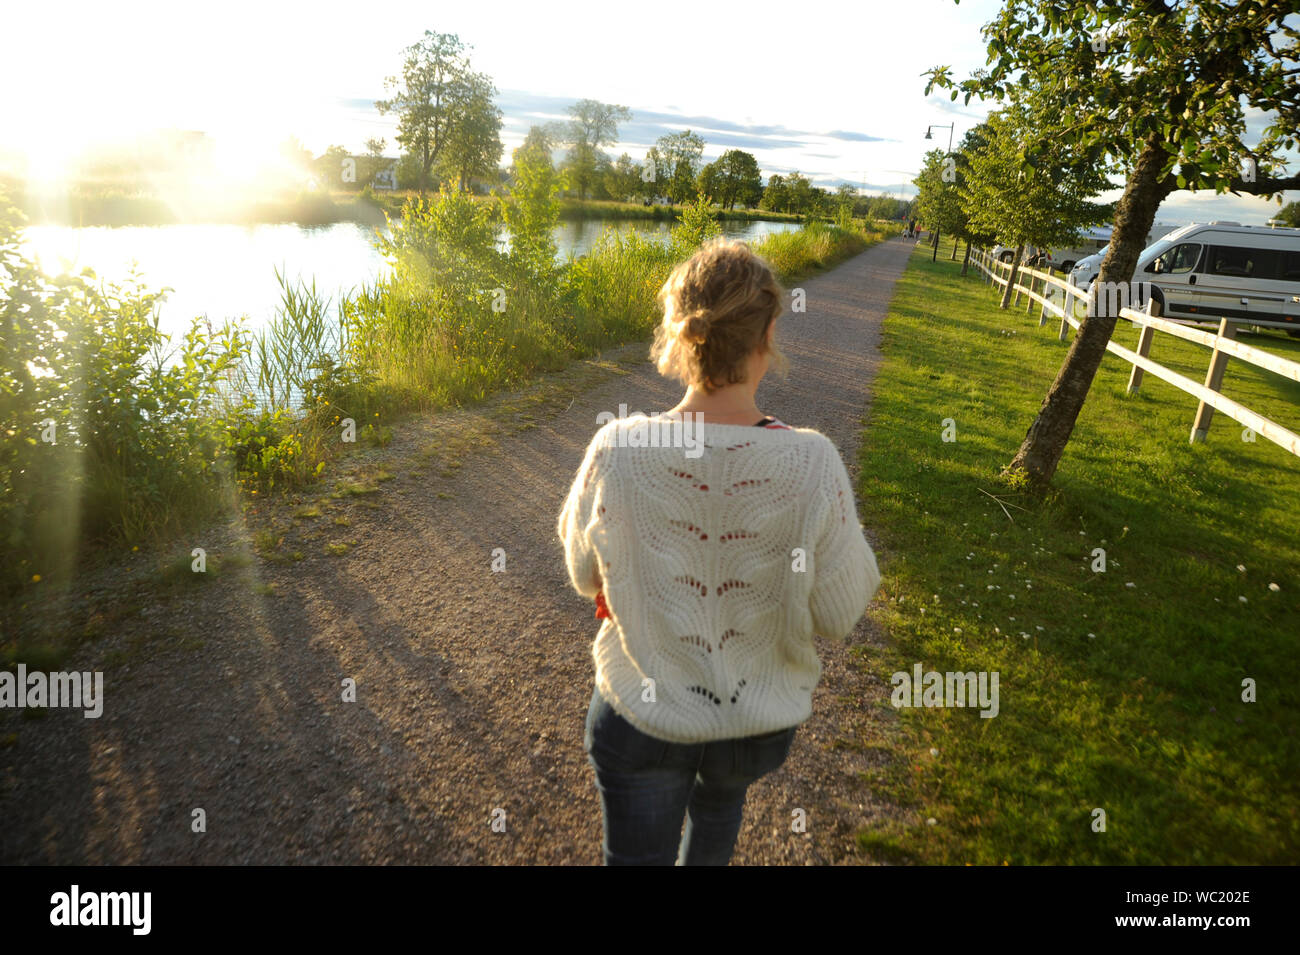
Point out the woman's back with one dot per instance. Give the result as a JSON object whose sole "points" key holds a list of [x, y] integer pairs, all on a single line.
{"points": [[720, 549]]}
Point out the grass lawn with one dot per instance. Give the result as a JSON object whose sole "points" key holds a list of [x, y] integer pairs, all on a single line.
{"points": [[1119, 690]]}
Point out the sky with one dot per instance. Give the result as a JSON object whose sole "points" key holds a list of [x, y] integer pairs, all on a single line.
{"points": [[831, 89]]}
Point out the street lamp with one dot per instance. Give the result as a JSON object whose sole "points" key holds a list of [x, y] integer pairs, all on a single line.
{"points": [[928, 135], [940, 126]]}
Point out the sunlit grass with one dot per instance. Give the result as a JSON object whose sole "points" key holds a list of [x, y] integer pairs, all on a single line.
{"points": [[1120, 690]]}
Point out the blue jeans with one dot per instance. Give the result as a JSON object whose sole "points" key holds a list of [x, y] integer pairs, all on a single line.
{"points": [[647, 785]]}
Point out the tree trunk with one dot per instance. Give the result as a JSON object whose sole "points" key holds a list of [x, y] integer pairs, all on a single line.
{"points": [[953, 257], [965, 262], [935, 254], [1011, 277], [1045, 441]]}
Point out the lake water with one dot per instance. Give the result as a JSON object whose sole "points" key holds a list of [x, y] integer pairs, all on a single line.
{"points": [[228, 271]]}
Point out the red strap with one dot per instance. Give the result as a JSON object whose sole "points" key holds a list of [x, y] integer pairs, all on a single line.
{"points": [[602, 611]]}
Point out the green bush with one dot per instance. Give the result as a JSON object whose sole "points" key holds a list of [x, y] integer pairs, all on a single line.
{"points": [[697, 226], [107, 434], [270, 447]]}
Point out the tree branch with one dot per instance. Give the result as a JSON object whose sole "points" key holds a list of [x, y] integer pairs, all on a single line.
{"points": [[1264, 185]]}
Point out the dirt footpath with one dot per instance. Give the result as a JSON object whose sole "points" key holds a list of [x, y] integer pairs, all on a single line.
{"points": [[471, 686]]}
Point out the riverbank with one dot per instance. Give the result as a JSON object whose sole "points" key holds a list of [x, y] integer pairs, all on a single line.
{"points": [[416, 346], [114, 207]]}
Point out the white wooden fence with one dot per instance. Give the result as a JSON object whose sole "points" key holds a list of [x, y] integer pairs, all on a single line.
{"points": [[1222, 346]]}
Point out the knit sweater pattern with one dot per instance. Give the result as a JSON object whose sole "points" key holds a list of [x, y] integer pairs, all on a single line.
{"points": [[718, 563]]}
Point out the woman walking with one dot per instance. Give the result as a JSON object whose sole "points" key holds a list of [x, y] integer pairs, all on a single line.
{"points": [[713, 558]]}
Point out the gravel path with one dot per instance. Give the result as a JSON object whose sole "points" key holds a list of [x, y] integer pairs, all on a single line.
{"points": [[472, 686]]}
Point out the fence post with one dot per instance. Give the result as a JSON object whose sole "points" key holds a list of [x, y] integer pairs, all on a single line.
{"points": [[1043, 315], [1067, 308], [1213, 380], [1016, 301], [1143, 349]]}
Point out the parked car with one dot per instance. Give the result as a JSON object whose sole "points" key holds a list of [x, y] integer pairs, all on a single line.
{"points": [[1202, 272], [1085, 269], [1005, 253]]}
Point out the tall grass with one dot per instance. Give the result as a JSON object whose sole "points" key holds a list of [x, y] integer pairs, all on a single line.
{"points": [[293, 347], [817, 245]]}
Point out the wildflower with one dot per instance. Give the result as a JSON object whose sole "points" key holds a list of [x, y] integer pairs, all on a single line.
{"points": [[36, 578], [1274, 587]]}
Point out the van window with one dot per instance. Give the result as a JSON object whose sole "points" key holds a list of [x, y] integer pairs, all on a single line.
{"points": [[1290, 267], [1179, 259], [1243, 262]]}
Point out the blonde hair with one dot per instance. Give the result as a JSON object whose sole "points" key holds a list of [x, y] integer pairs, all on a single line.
{"points": [[718, 306]]}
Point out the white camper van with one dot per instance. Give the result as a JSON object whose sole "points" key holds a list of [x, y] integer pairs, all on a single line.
{"points": [[1086, 268], [1249, 274]]}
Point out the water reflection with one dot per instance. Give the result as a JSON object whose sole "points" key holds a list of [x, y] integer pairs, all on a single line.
{"points": [[225, 271]]}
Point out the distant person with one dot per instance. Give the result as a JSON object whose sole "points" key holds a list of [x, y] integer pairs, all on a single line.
{"points": [[705, 662]]}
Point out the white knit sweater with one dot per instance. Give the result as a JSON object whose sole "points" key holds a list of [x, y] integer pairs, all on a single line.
{"points": [[718, 563]]}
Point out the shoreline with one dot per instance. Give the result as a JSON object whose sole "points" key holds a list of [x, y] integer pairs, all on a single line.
{"points": [[77, 211]]}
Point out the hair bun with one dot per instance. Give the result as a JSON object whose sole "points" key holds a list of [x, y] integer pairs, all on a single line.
{"points": [[695, 329]]}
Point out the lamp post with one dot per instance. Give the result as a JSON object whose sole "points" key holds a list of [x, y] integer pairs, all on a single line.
{"points": [[940, 126], [951, 126]]}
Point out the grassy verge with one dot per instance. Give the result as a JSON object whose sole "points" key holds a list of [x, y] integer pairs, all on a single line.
{"points": [[1120, 690]]}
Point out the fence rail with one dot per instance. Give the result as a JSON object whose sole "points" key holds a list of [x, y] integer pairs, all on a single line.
{"points": [[1222, 345]]}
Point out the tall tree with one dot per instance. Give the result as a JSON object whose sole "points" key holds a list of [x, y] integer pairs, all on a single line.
{"points": [[800, 189], [655, 174], [1161, 88], [592, 124], [1289, 215], [431, 97], [328, 168], [938, 203], [975, 140], [776, 195], [374, 160], [1043, 205], [623, 179], [474, 144], [733, 177], [682, 152]]}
